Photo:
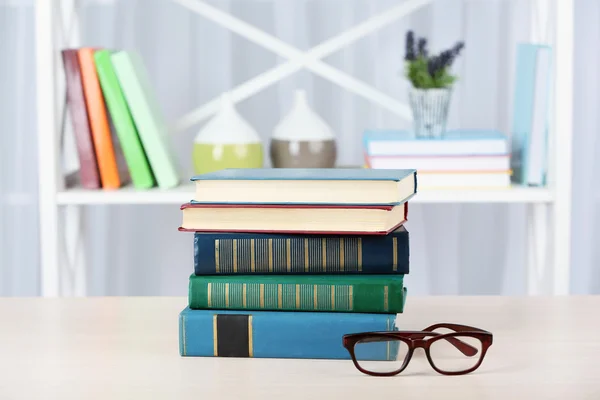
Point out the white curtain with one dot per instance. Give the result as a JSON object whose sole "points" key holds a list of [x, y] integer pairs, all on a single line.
{"points": [[455, 248]]}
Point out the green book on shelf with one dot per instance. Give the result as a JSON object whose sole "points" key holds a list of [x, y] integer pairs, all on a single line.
{"points": [[133, 151], [326, 293], [147, 116]]}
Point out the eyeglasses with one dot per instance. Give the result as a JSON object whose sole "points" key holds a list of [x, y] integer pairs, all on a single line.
{"points": [[388, 353]]}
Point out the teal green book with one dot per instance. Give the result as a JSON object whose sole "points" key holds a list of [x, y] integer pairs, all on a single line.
{"points": [[133, 151], [147, 116], [322, 293]]}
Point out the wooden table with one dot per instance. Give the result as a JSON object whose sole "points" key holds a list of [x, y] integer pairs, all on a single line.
{"points": [[127, 348]]}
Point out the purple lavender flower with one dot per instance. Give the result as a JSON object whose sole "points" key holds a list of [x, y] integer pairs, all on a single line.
{"points": [[446, 58], [422, 47], [457, 48], [410, 46], [433, 65]]}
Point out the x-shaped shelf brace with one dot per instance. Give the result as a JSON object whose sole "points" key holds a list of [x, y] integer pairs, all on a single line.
{"points": [[298, 59]]}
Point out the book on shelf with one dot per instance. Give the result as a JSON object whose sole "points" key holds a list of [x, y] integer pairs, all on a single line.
{"points": [[333, 293], [460, 159], [133, 151], [306, 186], [443, 163], [116, 121], [89, 175], [279, 334], [465, 180], [532, 97], [471, 142], [271, 253], [293, 218], [113, 171], [135, 84]]}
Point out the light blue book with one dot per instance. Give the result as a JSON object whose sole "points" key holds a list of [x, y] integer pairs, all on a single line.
{"points": [[304, 186], [454, 142], [532, 96], [280, 334]]}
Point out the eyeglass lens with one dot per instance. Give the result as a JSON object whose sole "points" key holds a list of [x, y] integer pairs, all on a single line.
{"points": [[381, 355]]}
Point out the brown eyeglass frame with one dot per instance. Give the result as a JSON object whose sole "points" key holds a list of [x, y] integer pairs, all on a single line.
{"points": [[418, 339]]}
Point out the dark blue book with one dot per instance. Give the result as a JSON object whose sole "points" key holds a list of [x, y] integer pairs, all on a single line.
{"points": [[272, 253], [279, 334]]}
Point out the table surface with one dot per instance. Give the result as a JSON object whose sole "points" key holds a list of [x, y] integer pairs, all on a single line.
{"points": [[127, 347]]}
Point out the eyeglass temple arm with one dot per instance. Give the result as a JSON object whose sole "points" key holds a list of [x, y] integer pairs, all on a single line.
{"points": [[454, 327], [464, 348]]}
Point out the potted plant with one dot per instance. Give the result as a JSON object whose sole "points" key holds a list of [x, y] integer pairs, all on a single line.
{"points": [[431, 85]]}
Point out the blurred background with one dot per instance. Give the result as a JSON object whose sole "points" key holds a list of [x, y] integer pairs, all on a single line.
{"points": [[135, 249]]}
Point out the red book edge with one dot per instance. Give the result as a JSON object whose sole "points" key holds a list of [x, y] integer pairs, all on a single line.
{"points": [[76, 104], [374, 233], [248, 205]]}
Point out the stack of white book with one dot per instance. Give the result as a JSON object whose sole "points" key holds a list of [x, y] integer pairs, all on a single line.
{"points": [[461, 159]]}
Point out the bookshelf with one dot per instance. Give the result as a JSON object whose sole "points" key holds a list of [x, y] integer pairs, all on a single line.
{"points": [[63, 270], [183, 193]]}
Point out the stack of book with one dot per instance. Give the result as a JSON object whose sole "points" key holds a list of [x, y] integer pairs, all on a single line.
{"points": [[119, 133], [468, 159], [287, 261]]}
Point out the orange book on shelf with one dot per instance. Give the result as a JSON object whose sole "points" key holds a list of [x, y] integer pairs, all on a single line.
{"points": [[98, 119]]}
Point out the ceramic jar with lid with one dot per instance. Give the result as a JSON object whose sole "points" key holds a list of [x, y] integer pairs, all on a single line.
{"points": [[227, 141], [302, 139]]}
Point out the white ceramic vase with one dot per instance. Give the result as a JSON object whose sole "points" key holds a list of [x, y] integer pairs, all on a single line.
{"points": [[302, 139], [227, 141]]}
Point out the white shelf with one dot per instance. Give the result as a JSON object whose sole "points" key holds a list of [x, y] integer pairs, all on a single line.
{"points": [[184, 193], [62, 260]]}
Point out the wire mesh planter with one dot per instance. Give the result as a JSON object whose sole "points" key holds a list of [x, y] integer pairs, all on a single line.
{"points": [[430, 111]]}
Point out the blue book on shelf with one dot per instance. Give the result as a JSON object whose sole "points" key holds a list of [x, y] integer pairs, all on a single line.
{"points": [[381, 142], [272, 253], [530, 114], [279, 334]]}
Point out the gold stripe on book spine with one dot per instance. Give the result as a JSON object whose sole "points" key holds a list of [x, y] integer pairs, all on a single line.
{"points": [[360, 254], [209, 293], [235, 255], [387, 325], [385, 298], [305, 255], [262, 295], [288, 253], [215, 337], [217, 256], [250, 349], [183, 335], [341, 254], [297, 296], [227, 295], [324, 254], [395, 254], [332, 297], [315, 303], [252, 255], [270, 245], [244, 294], [350, 299], [279, 295]]}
